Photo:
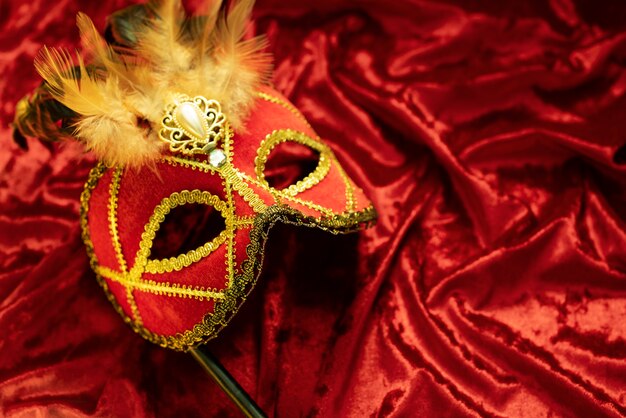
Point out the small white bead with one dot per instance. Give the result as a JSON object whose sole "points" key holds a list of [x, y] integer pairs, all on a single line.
{"points": [[217, 158]]}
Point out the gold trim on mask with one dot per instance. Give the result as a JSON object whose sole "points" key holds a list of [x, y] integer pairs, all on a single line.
{"points": [[184, 260], [192, 125], [228, 301], [142, 264], [272, 99], [114, 189], [286, 135]]}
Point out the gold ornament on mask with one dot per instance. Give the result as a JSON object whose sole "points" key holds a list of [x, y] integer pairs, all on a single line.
{"points": [[195, 126]]}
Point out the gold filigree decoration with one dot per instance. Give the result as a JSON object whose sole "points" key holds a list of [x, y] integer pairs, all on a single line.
{"points": [[193, 125], [142, 264], [183, 260], [351, 202], [162, 289], [281, 197], [114, 189]]}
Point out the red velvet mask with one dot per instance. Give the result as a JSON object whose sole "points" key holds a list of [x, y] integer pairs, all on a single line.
{"points": [[182, 300], [195, 86]]}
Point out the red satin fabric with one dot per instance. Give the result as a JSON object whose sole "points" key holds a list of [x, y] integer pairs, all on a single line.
{"points": [[489, 137]]}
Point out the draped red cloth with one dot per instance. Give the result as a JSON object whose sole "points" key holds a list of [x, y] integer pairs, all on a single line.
{"points": [[490, 137]]}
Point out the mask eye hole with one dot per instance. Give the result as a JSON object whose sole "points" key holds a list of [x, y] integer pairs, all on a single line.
{"points": [[186, 228], [299, 161], [288, 163]]}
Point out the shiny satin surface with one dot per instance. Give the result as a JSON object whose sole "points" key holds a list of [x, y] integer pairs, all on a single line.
{"points": [[490, 137]]}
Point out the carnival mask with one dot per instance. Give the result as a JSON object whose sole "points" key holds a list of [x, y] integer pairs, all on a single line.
{"points": [[180, 116]]}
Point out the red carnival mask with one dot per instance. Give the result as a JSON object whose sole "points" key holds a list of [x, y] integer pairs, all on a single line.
{"points": [[169, 142]]}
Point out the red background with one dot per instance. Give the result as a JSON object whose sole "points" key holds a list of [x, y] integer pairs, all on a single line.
{"points": [[490, 137]]}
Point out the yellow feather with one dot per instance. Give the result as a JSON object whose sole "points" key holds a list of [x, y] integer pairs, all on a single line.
{"points": [[240, 65], [202, 28], [115, 136], [102, 54], [69, 84], [107, 127], [159, 39], [117, 140], [208, 57]]}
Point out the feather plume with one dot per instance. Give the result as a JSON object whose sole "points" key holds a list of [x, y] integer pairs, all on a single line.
{"points": [[160, 42], [170, 54], [201, 28], [101, 54], [70, 84], [106, 127], [240, 66]]}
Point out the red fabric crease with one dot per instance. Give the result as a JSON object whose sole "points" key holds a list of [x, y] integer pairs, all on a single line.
{"points": [[489, 136]]}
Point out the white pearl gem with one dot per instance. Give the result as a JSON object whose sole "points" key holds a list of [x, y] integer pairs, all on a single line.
{"points": [[190, 117]]}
